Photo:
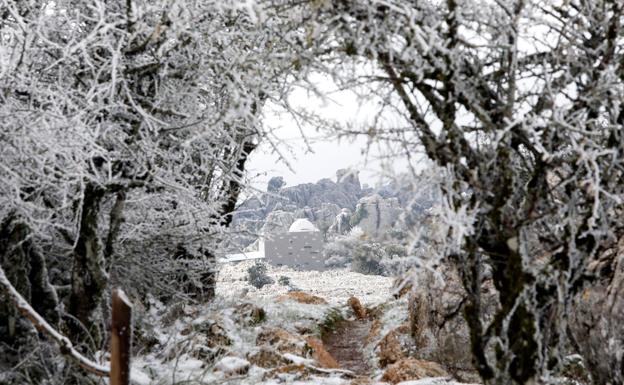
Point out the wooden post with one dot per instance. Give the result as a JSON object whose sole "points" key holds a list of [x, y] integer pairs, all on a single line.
{"points": [[121, 338]]}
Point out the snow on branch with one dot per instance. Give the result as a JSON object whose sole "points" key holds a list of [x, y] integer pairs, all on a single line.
{"points": [[44, 327]]}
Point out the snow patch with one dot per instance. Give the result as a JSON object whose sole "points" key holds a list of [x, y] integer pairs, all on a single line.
{"points": [[232, 365]]}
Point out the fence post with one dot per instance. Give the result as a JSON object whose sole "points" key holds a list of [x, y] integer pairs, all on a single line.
{"points": [[121, 338]]}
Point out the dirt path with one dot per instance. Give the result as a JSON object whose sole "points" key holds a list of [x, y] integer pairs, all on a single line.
{"points": [[345, 344]]}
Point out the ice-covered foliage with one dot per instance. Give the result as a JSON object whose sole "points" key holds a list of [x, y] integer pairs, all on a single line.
{"points": [[257, 276], [125, 127], [520, 104], [368, 256]]}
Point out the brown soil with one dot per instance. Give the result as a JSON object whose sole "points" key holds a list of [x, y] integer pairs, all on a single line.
{"points": [[345, 344], [302, 297]]}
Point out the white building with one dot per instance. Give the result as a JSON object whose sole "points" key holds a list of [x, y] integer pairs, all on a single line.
{"points": [[300, 247]]}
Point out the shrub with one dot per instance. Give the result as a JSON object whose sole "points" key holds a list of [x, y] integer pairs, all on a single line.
{"points": [[367, 258], [257, 276]]}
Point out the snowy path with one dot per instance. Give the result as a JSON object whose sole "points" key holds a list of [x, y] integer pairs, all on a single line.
{"points": [[345, 344]]}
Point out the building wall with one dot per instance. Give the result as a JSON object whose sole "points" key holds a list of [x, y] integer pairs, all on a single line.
{"points": [[298, 249]]}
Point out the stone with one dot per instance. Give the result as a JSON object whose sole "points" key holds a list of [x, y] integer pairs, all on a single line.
{"points": [[375, 215], [359, 310], [320, 354], [277, 222], [282, 341], [249, 314], [275, 184], [341, 224], [273, 211], [437, 324], [214, 334], [374, 331], [395, 346], [413, 369], [266, 358]]}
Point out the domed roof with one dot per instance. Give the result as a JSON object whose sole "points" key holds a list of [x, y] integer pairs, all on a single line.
{"points": [[301, 225]]}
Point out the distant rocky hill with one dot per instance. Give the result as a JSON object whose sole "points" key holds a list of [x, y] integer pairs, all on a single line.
{"points": [[333, 206]]}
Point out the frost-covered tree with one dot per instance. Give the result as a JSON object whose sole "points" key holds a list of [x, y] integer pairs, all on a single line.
{"points": [[521, 102], [125, 127]]}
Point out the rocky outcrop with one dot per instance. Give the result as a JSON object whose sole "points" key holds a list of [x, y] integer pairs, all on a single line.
{"points": [[277, 222], [375, 215], [319, 202], [325, 215], [395, 346], [436, 319], [345, 192], [341, 224], [413, 369], [275, 184]]}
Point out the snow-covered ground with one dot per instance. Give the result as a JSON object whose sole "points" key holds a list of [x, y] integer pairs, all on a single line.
{"points": [[183, 342], [336, 286]]}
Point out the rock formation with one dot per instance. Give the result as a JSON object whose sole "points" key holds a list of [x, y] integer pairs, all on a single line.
{"points": [[375, 214], [341, 223]]}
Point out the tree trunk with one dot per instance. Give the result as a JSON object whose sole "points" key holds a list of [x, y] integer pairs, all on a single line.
{"points": [[26, 268], [89, 277], [205, 291]]}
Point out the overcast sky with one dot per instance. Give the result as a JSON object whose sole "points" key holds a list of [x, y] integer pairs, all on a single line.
{"points": [[321, 157]]}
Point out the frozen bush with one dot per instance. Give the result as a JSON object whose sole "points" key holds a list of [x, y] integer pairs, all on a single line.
{"points": [[257, 276], [367, 258]]}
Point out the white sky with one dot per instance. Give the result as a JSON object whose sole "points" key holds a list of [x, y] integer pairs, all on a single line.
{"points": [[322, 156]]}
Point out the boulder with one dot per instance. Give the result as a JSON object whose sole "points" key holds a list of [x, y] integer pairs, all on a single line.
{"points": [[275, 184], [282, 341], [359, 310], [321, 355], [277, 222], [375, 215], [249, 314], [395, 346], [436, 319], [413, 369], [374, 331], [341, 223], [212, 331], [266, 357]]}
